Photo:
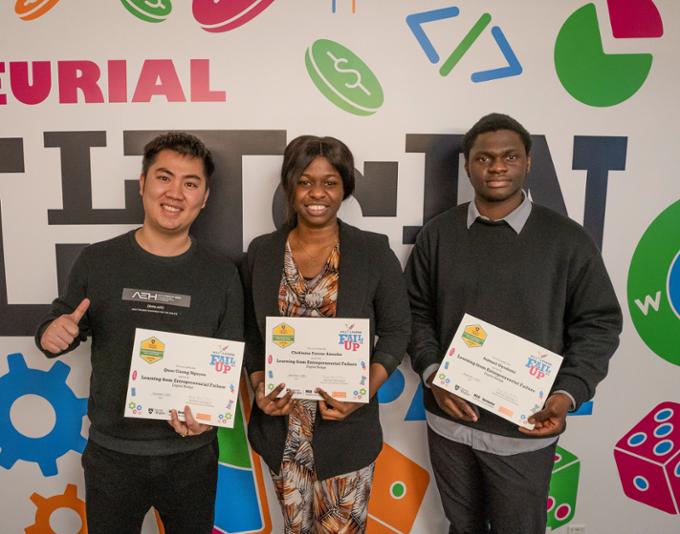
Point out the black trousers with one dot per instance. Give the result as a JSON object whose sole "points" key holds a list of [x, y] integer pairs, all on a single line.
{"points": [[120, 489], [483, 492]]}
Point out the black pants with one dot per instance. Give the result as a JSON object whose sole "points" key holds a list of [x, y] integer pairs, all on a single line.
{"points": [[120, 489], [483, 492]]}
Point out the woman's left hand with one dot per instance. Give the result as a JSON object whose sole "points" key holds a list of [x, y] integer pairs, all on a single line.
{"points": [[190, 427], [334, 410]]}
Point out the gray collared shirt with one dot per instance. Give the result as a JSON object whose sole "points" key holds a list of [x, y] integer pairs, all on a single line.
{"points": [[478, 439]]}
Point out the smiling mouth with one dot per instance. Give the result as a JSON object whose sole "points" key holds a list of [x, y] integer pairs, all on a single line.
{"points": [[171, 209], [316, 209]]}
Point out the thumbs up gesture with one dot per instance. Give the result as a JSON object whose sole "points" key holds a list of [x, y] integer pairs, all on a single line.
{"points": [[61, 332]]}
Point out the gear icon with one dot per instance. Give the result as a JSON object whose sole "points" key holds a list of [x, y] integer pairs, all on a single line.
{"points": [[47, 505], [69, 409]]}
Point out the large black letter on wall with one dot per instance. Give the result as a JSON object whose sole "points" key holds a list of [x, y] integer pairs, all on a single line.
{"points": [[15, 319]]}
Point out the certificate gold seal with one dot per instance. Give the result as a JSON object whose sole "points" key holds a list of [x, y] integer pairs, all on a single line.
{"points": [[474, 336], [151, 350], [283, 335]]}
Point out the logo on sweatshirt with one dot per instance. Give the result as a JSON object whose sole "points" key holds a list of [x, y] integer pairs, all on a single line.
{"points": [[151, 350]]}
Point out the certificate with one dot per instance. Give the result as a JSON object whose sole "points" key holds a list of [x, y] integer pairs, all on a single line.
{"points": [[169, 371], [498, 371], [306, 353]]}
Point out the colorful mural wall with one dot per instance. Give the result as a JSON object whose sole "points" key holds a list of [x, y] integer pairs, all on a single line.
{"points": [[84, 85]]}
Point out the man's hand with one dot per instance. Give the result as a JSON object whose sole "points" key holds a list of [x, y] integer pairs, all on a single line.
{"points": [[452, 404], [334, 410], [190, 427], [61, 332], [552, 419]]}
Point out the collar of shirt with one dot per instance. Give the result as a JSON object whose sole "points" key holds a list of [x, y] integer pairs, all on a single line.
{"points": [[516, 219]]}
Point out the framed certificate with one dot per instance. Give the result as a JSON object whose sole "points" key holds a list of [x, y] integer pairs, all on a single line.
{"points": [[169, 371], [307, 353], [498, 371]]}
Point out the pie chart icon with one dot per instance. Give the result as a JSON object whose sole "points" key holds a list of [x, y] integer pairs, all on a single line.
{"points": [[586, 71]]}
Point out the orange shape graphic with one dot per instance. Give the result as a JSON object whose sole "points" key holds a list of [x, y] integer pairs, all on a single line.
{"points": [[399, 486], [32, 9], [47, 505]]}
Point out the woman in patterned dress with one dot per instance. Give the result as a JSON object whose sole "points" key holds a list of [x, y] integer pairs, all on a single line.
{"points": [[321, 453]]}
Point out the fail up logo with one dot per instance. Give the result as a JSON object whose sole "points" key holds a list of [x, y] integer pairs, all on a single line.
{"points": [[343, 78], [538, 367]]}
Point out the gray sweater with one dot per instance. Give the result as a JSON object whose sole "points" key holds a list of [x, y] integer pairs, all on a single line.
{"points": [[547, 284], [197, 293]]}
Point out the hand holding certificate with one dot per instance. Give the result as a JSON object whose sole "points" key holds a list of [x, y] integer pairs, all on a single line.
{"points": [[307, 354], [501, 372], [170, 371]]}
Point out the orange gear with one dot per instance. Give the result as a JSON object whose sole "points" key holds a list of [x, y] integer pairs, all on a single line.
{"points": [[46, 506]]}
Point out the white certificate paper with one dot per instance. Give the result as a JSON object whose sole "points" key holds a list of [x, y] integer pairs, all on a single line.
{"points": [[306, 353], [499, 371], [169, 371]]}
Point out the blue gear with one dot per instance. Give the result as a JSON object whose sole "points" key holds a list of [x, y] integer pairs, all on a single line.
{"points": [[69, 409]]}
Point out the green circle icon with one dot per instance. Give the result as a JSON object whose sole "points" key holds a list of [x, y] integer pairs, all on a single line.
{"points": [[654, 285], [148, 10], [398, 490], [589, 74], [343, 78]]}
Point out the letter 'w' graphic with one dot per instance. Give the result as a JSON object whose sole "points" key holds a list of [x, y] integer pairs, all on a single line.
{"points": [[654, 303]]}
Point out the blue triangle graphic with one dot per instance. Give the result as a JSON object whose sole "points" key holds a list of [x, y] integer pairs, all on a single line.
{"points": [[416, 20], [416, 412]]}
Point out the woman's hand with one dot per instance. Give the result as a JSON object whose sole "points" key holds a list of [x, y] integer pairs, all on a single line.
{"points": [[190, 427], [334, 410], [270, 404]]}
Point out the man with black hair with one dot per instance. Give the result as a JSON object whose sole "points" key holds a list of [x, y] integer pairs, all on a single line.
{"points": [[532, 272], [156, 277]]}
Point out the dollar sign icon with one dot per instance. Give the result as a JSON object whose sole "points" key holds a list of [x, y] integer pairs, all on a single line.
{"points": [[343, 77], [337, 61]]}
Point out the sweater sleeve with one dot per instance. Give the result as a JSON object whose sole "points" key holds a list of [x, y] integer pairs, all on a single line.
{"points": [[592, 327], [76, 291], [254, 351], [392, 313], [424, 348], [231, 326]]}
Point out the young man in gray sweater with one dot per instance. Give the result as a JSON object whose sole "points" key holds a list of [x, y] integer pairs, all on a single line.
{"points": [[156, 277], [532, 272]]}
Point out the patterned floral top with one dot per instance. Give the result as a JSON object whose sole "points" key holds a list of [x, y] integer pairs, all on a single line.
{"points": [[299, 297]]}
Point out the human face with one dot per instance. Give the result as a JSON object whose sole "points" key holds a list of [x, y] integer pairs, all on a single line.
{"points": [[318, 194], [497, 167], [173, 192]]}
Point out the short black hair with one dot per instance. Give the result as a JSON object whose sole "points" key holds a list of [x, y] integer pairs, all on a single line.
{"points": [[182, 143], [492, 123], [301, 151]]}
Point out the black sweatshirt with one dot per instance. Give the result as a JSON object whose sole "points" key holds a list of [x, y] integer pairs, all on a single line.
{"points": [[547, 284], [197, 293]]}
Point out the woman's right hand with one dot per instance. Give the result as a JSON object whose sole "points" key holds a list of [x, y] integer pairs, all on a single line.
{"points": [[270, 404]]}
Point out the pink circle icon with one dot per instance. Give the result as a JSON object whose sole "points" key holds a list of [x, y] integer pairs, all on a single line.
{"points": [[562, 512], [224, 15], [551, 503]]}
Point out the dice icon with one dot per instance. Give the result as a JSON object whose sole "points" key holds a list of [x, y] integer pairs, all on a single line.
{"points": [[648, 459], [563, 488]]}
